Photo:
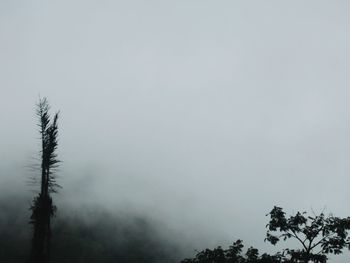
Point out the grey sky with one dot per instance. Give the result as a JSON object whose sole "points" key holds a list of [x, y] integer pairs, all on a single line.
{"points": [[205, 113]]}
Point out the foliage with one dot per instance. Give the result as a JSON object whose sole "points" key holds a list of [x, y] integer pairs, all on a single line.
{"points": [[48, 129], [318, 235], [233, 255]]}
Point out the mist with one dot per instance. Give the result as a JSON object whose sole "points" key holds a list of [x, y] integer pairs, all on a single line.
{"points": [[197, 115]]}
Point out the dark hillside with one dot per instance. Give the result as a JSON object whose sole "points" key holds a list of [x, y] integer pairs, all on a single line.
{"points": [[87, 237]]}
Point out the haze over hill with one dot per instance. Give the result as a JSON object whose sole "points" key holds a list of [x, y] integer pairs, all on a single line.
{"points": [[199, 115]]}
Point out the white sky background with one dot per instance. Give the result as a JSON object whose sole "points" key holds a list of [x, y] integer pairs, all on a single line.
{"points": [[204, 114]]}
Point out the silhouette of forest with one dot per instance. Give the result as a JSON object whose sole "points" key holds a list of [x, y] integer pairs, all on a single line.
{"points": [[88, 235]]}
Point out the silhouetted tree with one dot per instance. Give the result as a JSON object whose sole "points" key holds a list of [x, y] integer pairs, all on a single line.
{"points": [[318, 235], [42, 207], [252, 255], [233, 255]]}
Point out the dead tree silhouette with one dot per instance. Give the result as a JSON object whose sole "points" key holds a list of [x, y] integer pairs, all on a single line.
{"points": [[42, 207]]}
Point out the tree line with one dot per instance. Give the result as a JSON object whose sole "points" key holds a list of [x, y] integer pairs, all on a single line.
{"points": [[318, 236]]}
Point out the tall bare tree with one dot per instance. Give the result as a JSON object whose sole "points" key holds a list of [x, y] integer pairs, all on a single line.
{"points": [[42, 207]]}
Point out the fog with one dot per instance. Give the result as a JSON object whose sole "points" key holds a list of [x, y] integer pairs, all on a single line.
{"points": [[201, 115]]}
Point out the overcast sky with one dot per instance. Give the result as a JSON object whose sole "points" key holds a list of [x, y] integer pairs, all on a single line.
{"points": [[203, 114]]}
